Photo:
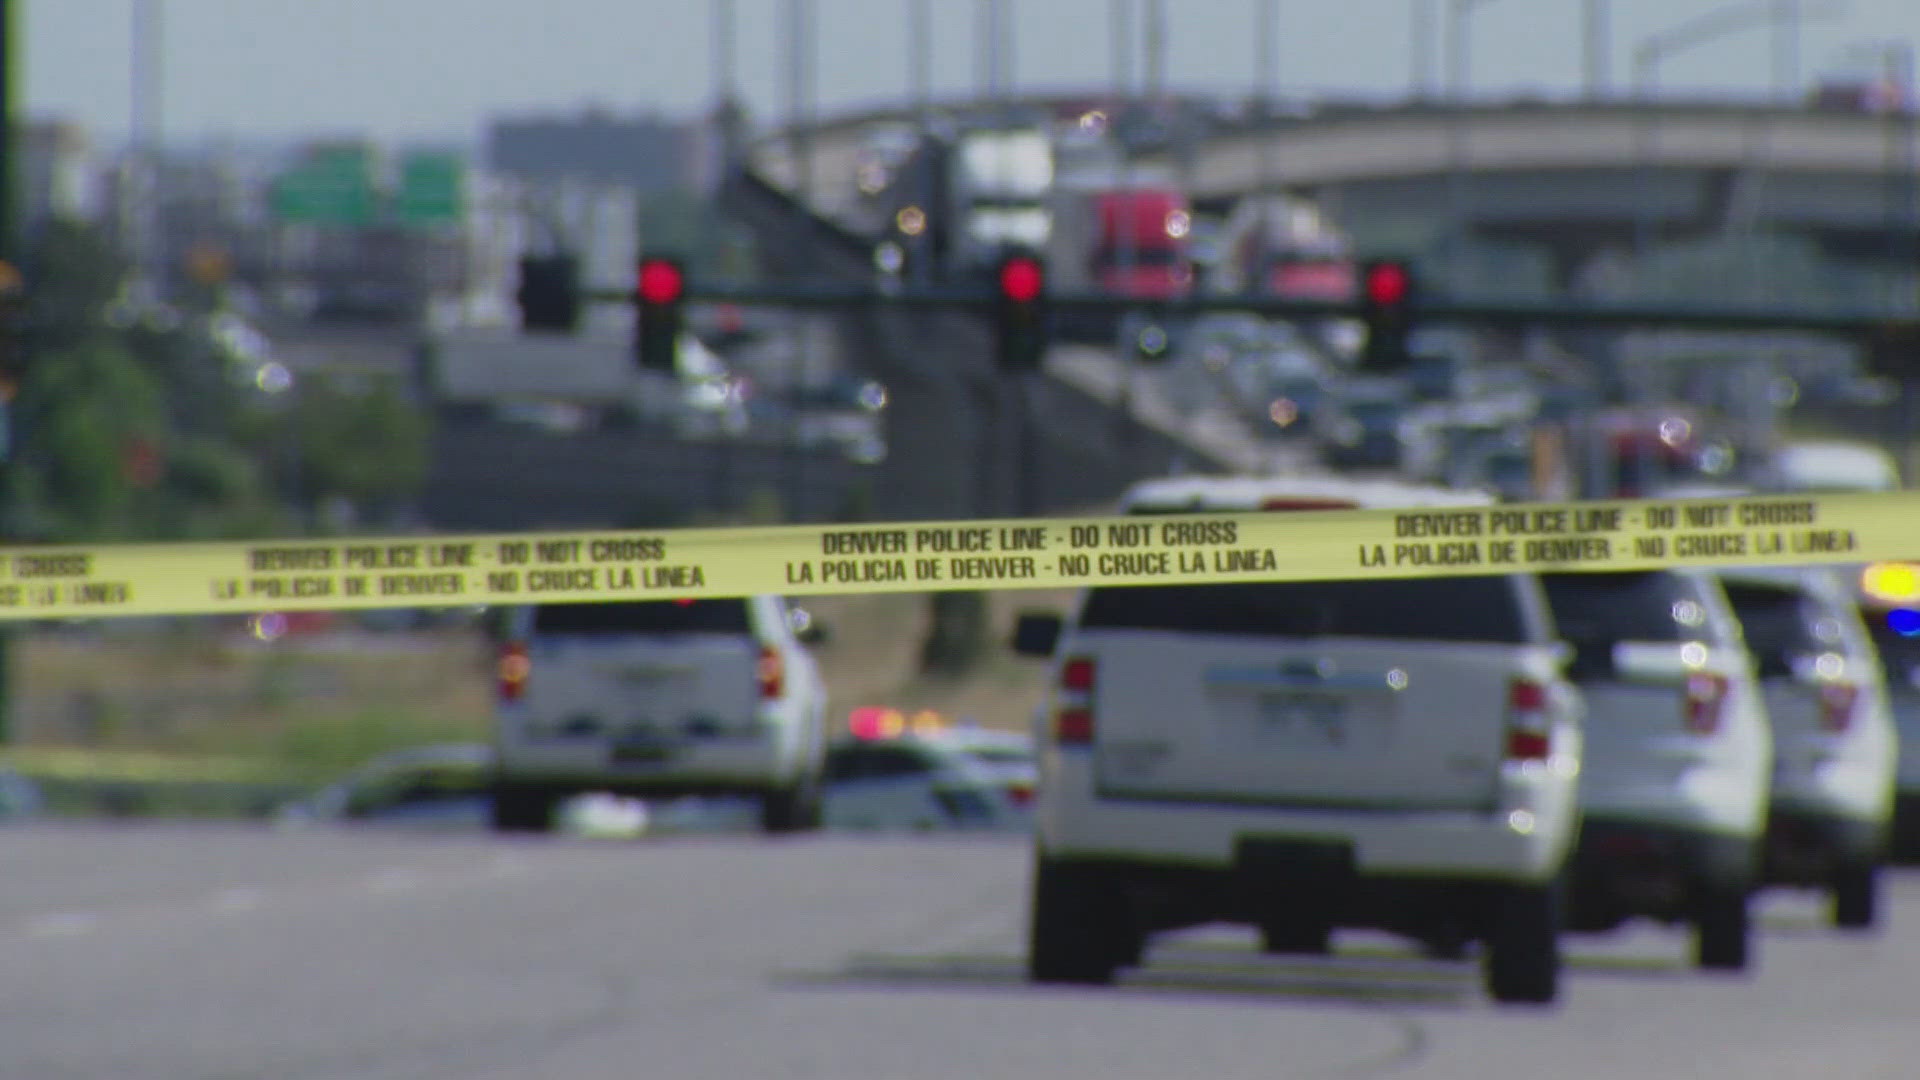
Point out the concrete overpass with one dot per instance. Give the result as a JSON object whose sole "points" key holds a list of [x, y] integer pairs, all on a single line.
{"points": [[1574, 177]]}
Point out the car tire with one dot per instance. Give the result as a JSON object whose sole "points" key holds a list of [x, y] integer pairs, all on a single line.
{"points": [[1723, 930], [793, 809], [1449, 943], [519, 809], [1522, 958], [1296, 939], [1856, 895], [1078, 932]]}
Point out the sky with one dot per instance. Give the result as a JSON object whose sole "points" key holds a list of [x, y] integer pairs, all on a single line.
{"points": [[435, 70]]}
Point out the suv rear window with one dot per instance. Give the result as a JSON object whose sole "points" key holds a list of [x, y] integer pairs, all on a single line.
{"points": [[1605, 608], [1480, 608], [1778, 621], [644, 617]]}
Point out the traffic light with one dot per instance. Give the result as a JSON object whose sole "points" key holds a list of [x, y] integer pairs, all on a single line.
{"points": [[1020, 316], [1387, 294], [549, 293], [662, 287]]}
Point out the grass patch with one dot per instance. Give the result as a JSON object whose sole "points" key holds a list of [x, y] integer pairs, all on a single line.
{"points": [[299, 706], [194, 713]]}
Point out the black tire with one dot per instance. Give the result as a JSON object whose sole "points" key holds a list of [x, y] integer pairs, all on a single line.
{"points": [[1723, 930], [1079, 930], [791, 810], [1296, 939], [1856, 896], [1449, 943], [522, 810], [1521, 963]]}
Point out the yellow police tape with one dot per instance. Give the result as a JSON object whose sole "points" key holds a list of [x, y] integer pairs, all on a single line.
{"points": [[798, 560]]}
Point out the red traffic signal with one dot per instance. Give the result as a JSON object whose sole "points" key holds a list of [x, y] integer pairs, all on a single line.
{"points": [[1021, 279], [661, 281], [1388, 284]]}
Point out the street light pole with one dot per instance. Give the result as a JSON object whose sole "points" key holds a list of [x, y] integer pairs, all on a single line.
{"points": [[799, 22], [1265, 61], [147, 84], [920, 60], [1458, 65], [1702, 30], [1597, 40], [1786, 48], [1420, 37], [723, 52]]}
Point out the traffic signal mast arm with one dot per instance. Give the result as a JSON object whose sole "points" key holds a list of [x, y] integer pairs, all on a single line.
{"points": [[1426, 311]]}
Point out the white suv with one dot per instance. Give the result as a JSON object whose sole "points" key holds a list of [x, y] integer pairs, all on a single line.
{"points": [[1673, 790], [657, 698], [1300, 756], [1835, 748], [1896, 635]]}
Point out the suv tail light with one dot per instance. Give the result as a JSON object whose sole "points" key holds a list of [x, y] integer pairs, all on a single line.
{"points": [[513, 669], [1836, 706], [1073, 723], [771, 672], [1021, 794], [1529, 732], [1706, 697]]}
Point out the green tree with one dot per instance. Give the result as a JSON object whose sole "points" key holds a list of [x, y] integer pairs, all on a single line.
{"points": [[74, 277], [90, 432], [366, 445]]}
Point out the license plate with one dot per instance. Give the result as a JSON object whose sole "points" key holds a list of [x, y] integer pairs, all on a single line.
{"points": [[649, 677], [1304, 717], [650, 753]]}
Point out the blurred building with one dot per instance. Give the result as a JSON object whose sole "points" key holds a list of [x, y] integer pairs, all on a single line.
{"points": [[647, 153], [59, 175]]}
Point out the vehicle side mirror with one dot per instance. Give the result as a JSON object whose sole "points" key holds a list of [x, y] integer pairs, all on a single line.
{"points": [[1563, 653], [806, 626], [1036, 633]]}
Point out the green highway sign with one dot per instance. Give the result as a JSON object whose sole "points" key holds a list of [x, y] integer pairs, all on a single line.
{"points": [[430, 189], [330, 188]]}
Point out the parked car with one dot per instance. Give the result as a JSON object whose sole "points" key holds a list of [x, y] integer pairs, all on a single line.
{"points": [[1896, 635], [656, 699], [445, 787], [435, 787], [1302, 756], [914, 783], [1835, 746], [1679, 755]]}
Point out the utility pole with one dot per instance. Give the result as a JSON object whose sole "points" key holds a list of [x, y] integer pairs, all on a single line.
{"points": [[1420, 35], [799, 111], [144, 218], [10, 257], [1598, 40], [1265, 63]]}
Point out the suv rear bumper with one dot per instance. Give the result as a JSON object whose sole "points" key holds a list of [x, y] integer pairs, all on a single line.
{"points": [[1398, 843], [739, 767], [1806, 846], [1906, 826], [1623, 868], [1293, 885]]}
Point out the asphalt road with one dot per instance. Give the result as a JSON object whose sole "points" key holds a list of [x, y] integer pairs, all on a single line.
{"points": [[221, 954]]}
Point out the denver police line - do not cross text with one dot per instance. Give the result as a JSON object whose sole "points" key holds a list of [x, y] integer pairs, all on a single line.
{"points": [[86, 581]]}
